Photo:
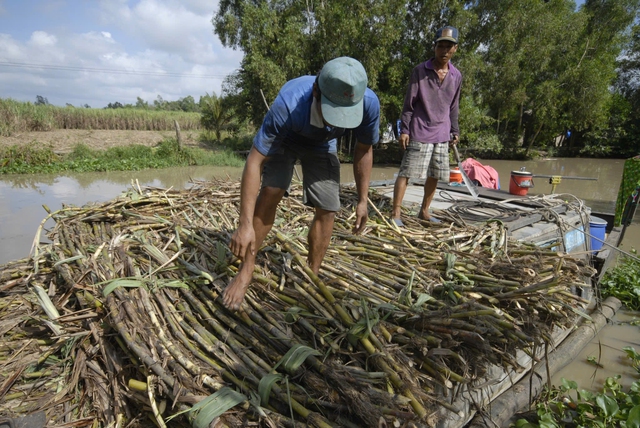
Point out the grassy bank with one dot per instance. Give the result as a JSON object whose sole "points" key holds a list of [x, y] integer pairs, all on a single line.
{"points": [[18, 116], [36, 158]]}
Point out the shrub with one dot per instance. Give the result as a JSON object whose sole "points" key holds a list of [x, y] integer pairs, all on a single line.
{"points": [[623, 282]]}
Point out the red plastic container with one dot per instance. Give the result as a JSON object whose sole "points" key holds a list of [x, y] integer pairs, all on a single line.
{"points": [[520, 182], [455, 176]]}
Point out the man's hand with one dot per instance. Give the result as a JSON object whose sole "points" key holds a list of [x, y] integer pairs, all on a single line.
{"points": [[243, 240], [404, 141], [362, 215], [455, 140]]}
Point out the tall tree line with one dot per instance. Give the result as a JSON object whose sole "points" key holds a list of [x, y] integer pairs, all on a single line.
{"points": [[536, 72]]}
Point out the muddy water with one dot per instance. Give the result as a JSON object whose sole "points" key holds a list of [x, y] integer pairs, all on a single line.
{"points": [[22, 198], [604, 357]]}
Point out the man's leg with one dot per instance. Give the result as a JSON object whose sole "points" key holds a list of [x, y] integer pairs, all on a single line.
{"points": [[438, 169], [263, 218], [414, 164], [430, 187], [319, 237], [399, 189], [321, 186]]}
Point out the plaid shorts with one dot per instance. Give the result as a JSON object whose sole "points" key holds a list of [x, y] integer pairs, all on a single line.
{"points": [[422, 160]]}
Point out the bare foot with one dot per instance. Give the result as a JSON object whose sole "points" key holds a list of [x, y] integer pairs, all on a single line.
{"points": [[233, 294], [428, 218]]}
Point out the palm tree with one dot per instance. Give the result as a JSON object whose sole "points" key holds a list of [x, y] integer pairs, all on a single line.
{"points": [[215, 117]]}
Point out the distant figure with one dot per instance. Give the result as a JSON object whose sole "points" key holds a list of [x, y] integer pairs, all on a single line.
{"points": [[303, 123], [429, 123]]}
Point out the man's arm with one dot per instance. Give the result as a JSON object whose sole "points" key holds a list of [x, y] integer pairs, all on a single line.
{"points": [[362, 164], [410, 99], [244, 238], [454, 111]]}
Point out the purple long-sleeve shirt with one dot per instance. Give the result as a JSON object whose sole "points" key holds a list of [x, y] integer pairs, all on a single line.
{"points": [[430, 112]]}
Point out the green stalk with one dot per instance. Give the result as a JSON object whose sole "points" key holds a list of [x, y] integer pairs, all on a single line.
{"points": [[231, 323]]}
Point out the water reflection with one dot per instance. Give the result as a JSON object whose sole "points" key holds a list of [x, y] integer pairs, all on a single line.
{"points": [[22, 197]]}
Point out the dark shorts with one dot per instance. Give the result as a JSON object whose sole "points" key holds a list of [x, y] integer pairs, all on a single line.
{"points": [[320, 172], [422, 160]]}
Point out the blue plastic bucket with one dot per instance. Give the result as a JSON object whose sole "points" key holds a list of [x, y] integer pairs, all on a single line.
{"points": [[597, 228]]}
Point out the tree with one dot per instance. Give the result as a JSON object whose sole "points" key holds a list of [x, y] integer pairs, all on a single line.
{"points": [[532, 68], [283, 39], [142, 104], [598, 116], [41, 101], [624, 123], [215, 117], [188, 104], [115, 105], [159, 103]]}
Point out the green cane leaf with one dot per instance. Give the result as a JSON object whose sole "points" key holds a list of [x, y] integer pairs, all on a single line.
{"points": [[205, 411], [265, 385], [295, 357], [128, 283]]}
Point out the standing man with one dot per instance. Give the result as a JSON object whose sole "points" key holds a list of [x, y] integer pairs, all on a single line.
{"points": [[429, 123], [303, 123]]}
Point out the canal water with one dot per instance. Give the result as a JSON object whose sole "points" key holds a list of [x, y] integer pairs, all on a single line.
{"points": [[22, 198]]}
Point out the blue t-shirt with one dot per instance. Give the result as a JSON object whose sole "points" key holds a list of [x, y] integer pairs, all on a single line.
{"points": [[288, 121]]}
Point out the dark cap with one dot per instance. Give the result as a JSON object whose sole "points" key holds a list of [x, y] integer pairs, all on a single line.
{"points": [[447, 33]]}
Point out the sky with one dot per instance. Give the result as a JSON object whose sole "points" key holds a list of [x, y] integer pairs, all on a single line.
{"points": [[96, 52]]}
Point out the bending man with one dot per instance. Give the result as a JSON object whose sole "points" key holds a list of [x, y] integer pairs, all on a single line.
{"points": [[303, 123]]}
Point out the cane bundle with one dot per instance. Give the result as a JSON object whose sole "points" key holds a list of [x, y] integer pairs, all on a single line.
{"points": [[118, 320]]}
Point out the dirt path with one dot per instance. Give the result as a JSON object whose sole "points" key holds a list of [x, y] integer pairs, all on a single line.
{"points": [[63, 140]]}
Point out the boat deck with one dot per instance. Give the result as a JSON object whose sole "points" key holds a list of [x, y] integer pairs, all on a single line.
{"points": [[539, 220]]}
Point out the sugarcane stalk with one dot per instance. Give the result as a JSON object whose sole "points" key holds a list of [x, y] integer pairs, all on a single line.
{"points": [[446, 372], [488, 280], [348, 280], [313, 298], [254, 321], [231, 323], [226, 374], [132, 344], [346, 319], [538, 286], [171, 347], [234, 349]]}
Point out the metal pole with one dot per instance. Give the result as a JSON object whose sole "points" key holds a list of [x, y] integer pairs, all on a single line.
{"points": [[568, 177]]}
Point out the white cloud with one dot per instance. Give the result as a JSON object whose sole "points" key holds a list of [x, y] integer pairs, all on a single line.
{"points": [[42, 39], [129, 49]]}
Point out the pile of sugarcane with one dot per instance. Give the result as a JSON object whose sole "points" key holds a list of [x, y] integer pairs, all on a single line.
{"points": [[118, 320]]}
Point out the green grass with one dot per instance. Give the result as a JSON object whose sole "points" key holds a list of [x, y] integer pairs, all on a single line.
{"points": [[34, 158]]}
